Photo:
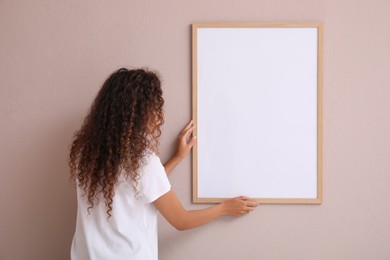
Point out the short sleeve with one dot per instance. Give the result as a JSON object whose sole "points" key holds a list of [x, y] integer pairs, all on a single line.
{"points": [[153, 182]]}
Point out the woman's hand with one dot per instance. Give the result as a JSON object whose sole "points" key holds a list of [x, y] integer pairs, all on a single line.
{"points": [[185, 141], [238, 206]]}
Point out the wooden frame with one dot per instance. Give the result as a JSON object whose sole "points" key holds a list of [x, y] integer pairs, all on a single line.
{"points": [[317, 199]]}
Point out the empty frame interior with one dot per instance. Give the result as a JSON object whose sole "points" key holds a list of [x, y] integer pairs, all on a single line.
{"points": [[257, 107]]}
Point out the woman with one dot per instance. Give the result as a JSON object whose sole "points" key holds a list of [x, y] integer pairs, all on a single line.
{"points": [[121, 182]]}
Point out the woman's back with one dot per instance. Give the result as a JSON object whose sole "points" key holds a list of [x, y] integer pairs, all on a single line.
{"points": [[131, 231]]}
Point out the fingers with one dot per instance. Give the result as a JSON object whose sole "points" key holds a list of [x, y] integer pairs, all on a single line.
{"points": [[186, 136], [248, 205], [192, 141], [188, 132], [245, 211], [251, 203], [188, 126], [247, 201]]}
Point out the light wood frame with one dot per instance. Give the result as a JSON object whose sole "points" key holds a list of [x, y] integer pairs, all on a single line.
{"points": [[319, 26]]}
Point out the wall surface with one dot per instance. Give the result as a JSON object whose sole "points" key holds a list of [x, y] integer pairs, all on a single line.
{"points": [[54, 56]]}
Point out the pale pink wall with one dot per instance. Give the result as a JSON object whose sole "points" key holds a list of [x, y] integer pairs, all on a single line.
{"points": [[54, 55]]}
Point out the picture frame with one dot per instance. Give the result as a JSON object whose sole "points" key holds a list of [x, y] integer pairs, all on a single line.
{"points": [[257, 105]]}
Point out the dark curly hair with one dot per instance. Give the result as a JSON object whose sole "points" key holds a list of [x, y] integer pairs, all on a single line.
{"points": [[123, 124]]}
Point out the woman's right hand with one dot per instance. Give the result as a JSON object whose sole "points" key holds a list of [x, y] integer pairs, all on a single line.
{"points": [[238, 206]]}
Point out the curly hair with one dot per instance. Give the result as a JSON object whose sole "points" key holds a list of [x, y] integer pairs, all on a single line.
{"points": [[122, 125]]}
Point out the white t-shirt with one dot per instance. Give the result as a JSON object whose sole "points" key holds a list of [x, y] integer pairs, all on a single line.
{"points": [[131, 231]]}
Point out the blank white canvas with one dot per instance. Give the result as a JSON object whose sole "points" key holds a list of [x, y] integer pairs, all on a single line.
{"points": [[257, 112]]}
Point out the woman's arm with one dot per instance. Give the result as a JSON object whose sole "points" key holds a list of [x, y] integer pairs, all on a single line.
{"points": [[172, 210], [184, 144]]}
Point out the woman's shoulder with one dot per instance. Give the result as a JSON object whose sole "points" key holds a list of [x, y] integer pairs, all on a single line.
{"points": [[151, 155], [151, 160]]}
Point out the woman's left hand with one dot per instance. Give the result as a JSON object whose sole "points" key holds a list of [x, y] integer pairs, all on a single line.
{"points": [[186, 141]]}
